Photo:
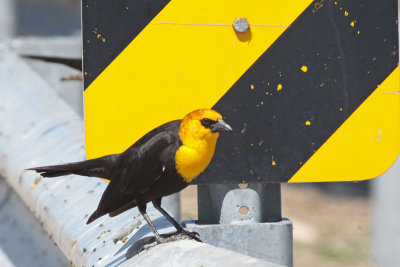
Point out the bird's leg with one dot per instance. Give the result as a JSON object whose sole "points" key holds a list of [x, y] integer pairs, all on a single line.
{"points": [[142, 210], [147, 242], [157, 205]]}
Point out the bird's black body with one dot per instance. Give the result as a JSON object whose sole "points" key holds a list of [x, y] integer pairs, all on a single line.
{"points": [[162, 162], [143, 173]]}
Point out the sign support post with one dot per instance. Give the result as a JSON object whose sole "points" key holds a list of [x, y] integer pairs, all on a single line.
{"points": [[245, 218]]}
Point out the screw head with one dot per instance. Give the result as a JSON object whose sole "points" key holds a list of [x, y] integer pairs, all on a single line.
{"points": [[241, 25]]}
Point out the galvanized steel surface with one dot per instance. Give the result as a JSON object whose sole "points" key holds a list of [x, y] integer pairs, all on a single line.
{"points": [[271, 242], [229, 204], [21, 234]]}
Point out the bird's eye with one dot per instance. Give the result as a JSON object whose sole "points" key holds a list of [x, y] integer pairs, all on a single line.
{"points": [[207, 122]]}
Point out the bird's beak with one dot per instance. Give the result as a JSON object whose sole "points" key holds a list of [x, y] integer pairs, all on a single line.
{"points": [[220, 126]]}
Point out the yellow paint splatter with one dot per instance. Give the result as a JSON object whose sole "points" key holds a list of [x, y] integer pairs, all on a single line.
{"points": [[304, 68], [35, 183], [262, 103], [358, 32], [244, 127], [352, 23], [308, 123], [98, 36], [103, 39], [85, 73], [273, 163], [317, 6], [340, 8], [261, 142], [341, 109], [251, 144], [252, 87], [266, 93], [346, 13], [279, 87]]}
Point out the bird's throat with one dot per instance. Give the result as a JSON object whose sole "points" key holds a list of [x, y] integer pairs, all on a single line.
{"points": [[192, 159]]}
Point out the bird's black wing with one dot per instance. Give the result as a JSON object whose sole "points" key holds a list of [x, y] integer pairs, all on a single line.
{"points": [[139, 167]]}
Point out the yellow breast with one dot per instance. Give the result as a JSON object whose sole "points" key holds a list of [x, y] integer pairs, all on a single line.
{"points": [[191, 159]]}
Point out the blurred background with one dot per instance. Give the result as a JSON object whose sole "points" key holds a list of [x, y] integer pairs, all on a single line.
{"points": [[334, 224]]}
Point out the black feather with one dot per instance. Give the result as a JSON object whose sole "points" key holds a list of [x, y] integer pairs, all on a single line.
{"points": [[146, 171], [100, 167]]}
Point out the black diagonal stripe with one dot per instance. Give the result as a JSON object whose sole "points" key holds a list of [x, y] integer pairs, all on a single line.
{"points": [[346, 62], [109, 26]]}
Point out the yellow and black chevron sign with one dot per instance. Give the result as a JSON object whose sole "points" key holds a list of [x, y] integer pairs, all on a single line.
{"points": [[311, 89]]}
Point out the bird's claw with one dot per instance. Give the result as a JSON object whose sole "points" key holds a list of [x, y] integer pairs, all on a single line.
{"points": [[150, 242], [192, 235]]}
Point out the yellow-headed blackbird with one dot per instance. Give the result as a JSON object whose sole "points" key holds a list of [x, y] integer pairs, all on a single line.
{"points": [[162, 162]]}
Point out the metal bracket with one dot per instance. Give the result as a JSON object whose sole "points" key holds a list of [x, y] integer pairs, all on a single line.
{"points": [[246, 219]]}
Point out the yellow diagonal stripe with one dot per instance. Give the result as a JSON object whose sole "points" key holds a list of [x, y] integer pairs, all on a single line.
{"points": [[365, 145], [186, 58]]}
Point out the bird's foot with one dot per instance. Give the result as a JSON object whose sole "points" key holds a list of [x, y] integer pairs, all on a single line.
{"points": [[160, 240], [191, 235], [150, 242]]}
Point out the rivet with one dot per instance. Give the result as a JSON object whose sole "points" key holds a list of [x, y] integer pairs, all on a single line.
{"points": [[241, 25]]}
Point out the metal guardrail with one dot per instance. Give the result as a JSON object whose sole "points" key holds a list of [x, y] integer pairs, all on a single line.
{"points": [[38, 128]]}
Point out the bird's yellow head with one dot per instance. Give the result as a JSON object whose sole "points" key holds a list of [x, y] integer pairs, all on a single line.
{"points": [[202, 124], [199, 131]]}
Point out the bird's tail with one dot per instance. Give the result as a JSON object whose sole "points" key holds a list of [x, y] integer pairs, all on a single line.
{"points": [[99, 167]]}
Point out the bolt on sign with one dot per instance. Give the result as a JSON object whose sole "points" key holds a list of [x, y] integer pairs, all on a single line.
{"points": [[311, 88]]}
